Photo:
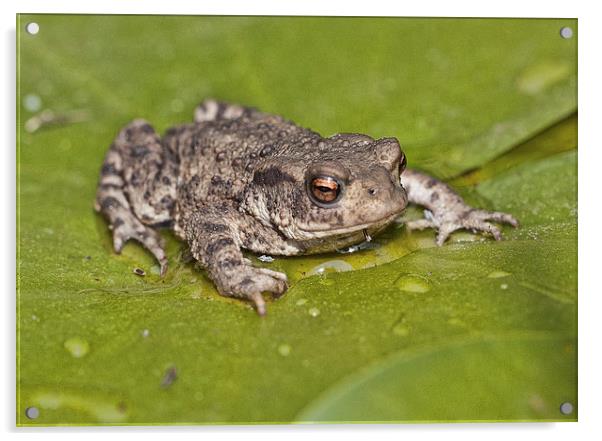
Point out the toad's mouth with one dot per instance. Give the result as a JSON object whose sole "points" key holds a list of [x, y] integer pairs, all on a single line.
{"points": [[365, 228]]}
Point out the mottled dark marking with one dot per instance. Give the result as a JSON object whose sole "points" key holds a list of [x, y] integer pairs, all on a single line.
{"points": [[266, 151], [118, 222], [220, 156], [435, 197], [215, 228], [147, 128], [213, 247], [109, 169], [430, 183], [110, 187], [108, 203], [166, 180], [167, 202], [246, 281], [139, 151], [229, 263], [136, 178], [466, 213], [216, 180], [272, 176], [129, 133]]}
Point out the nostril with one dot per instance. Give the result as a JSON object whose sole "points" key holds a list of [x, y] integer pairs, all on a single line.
{"points": [[372, 191]]}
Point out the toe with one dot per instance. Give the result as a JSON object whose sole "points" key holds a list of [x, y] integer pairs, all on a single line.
{"points": [[274, 274], [444, 233], [489, 228], [497, 216], [118, 243], [259, 303], [163, 264]]}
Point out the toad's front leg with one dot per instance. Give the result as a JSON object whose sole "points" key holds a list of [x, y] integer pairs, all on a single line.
{"points": [[216, 242], [446, 210]]}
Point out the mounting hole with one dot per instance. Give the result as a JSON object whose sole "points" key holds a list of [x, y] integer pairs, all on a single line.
{"points": [[32, 28], [566, 408], [32, 413], [566, 32]]}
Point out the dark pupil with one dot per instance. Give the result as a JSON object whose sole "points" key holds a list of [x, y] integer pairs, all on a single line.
{"points": [[325, 189]]}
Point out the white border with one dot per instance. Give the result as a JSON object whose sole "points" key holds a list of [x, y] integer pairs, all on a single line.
{"points": [[590, 160]]}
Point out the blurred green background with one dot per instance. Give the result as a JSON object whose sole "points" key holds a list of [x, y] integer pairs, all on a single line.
{"points": [[404, 331]]}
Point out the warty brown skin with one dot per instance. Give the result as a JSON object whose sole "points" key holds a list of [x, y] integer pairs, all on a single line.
{"points": [[238, 179]]}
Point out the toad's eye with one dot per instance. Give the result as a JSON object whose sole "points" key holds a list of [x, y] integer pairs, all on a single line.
{"points": [[402, 163], [324, 190]]}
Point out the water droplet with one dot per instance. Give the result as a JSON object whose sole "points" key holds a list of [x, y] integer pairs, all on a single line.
{"points": [[35, 318], [284, 350], [498, 274], [301, 302], [145, 333], [332, 266], [401, 330], [504, 286], [156, 270], [413, 283], [266, 259], [359, 247], [314, 312], [32, 102], [77, 347]]}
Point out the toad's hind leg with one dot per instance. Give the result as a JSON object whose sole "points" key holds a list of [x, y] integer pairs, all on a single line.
{"points": [[137, 189]]}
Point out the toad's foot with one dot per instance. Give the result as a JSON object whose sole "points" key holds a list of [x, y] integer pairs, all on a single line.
{"points": [[249, 283], [446, 210], [131, 228], [467, 218]]}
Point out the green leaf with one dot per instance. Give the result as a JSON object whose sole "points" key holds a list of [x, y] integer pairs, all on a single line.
{"points": [[98, 344], [490, 379]]}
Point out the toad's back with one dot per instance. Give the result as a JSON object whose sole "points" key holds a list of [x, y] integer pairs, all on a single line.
{"points": [[217, 158]]}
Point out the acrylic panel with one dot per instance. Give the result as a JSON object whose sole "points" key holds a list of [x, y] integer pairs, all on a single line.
{"points": [[394, 329]]}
